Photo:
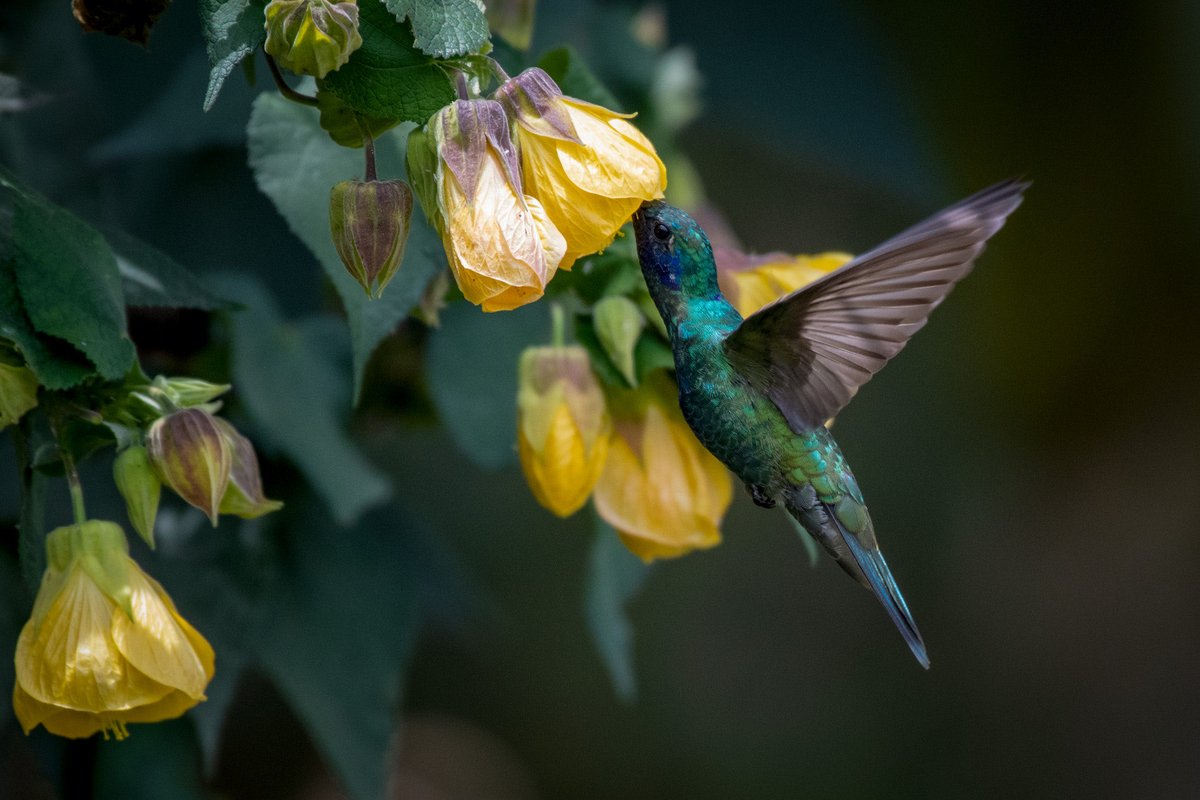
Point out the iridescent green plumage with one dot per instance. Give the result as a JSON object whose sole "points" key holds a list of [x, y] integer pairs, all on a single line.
{"points": [[756, 391]]}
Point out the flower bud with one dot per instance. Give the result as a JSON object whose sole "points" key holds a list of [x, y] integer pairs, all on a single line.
{"points": [[421, 157], [369, 223], [501, 247], [140, 486], [619, 324], [663, 492], [192, 457], [312, 37], [18, 393], [562, 426], [186, 392], [589, 168], [244, 495]]}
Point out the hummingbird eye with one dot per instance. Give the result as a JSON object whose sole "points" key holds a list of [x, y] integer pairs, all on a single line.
{"points": [[661, 232]]}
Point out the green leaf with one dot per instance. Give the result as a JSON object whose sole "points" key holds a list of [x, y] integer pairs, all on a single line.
{"points": [[295, 398], [614, 577], [151, 764], [575, 79], [341, 623], [56, 364], [152, 279], [443, 28], [296, 164], [388, 77], [652, 353], [233, 30], [471, 368], [67, 279]]}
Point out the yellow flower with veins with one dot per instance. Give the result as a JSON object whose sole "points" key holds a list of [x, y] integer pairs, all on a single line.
{"points": [[750, 282], [589, 167], [105, 645], [562, 428], [663, 492], [501, 246]]}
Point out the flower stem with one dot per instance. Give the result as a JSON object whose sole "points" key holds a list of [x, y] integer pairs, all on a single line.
{"points": [[460, 83], [558, 325], [284, 89], [499, 70], [369, 156]]}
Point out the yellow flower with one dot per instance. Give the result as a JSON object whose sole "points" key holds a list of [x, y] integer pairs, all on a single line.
{"points": [[751, 282], [589, 167], [105, 645], [501, 246], [663, 492], [563, 426]]}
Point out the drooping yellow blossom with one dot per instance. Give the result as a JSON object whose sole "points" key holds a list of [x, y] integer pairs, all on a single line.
{"points": [[563, 426], [750, 282], [105, 645], [589, 167], [663, 492], [501, 246]]}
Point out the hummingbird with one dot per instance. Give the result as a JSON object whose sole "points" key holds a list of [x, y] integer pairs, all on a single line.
{"points": [[758, 391]]}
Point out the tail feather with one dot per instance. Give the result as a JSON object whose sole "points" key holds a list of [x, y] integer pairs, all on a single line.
{"points": [[879, 577], [864, 563]]}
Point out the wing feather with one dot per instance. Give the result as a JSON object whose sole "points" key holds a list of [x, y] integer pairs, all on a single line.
{"points": [[812, 350]]}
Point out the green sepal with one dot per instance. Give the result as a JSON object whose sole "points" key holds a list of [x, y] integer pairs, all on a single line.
{"points": [[618, 324], [141, 489]]}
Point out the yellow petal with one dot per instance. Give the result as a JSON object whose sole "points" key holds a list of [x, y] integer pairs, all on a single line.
{"points": [[592, 187], [31, 712], [660, 489], [563, 472], [502, 248], [71, 660], [156, 644]]}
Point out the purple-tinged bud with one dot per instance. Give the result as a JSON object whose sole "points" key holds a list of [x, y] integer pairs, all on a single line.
{"points": [[244, 495], [192, 457], [369, 221]]}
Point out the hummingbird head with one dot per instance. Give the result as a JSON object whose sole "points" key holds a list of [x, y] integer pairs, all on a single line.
{"points": [[676, 256]]}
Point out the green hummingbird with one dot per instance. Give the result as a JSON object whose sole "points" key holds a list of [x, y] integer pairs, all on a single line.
{"points": [[758, 391]]}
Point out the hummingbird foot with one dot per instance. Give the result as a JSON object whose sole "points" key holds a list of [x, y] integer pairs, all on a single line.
{"points": [[759, 495]]}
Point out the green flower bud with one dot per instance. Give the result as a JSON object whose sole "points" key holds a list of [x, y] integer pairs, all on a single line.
{"points": [[369, 223], [422, 160], [140, 486], [18, 393], [192, 457], [186, 392], [619, 324], [244, 496], [313, 37]]}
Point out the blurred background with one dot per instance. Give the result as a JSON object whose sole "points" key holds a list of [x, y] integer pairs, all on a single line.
{"points": [[1032, 460]]}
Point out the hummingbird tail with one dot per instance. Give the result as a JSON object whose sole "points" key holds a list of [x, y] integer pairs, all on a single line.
{"points": [[879, 578], [865, 564]]}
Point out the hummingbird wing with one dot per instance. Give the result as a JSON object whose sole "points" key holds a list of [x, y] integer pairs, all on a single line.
{"points": [[811, 350]]}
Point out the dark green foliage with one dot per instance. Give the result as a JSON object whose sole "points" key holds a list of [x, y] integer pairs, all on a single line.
{"points": [[233, 30], [443, 28], [614, 577], [389, 77]]}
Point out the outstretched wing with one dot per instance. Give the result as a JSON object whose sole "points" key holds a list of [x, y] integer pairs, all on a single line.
{"points": [[811, 351]]}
